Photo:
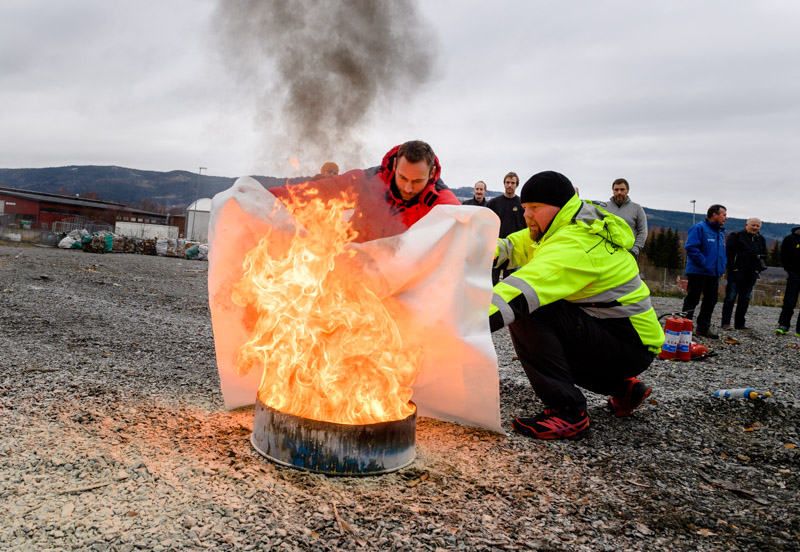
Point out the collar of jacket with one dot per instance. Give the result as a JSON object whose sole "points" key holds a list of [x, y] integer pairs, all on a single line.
{"points": [[595, 220], [627, 200]]}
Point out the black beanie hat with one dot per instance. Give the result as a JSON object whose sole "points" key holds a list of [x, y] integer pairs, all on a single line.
{"points": [[547, 187]]}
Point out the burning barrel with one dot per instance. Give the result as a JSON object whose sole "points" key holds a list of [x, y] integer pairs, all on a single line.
{"points": [[335, 392], [333, 448]]}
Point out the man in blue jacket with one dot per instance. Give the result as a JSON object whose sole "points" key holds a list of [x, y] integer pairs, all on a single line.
{"points": [[705, 263]]}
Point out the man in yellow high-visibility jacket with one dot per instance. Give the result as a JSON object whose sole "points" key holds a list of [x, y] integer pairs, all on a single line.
{"points": [[578, 313]]}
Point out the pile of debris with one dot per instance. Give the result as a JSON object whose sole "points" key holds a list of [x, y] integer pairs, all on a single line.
{"points": [[107, 242]]}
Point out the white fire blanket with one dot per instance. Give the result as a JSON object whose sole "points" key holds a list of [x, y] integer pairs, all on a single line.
{"points": [[438, 271]]}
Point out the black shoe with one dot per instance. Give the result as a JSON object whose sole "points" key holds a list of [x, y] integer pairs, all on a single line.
{"points": [[744, 328], [707, 334], [552, 424], [726, 327]]}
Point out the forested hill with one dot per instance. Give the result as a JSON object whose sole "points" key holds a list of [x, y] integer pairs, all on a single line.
{"points": [[180, 188], [123, 185], [683, 221]]}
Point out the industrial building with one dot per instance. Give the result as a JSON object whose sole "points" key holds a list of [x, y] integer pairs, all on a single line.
{"points": [[58, 213]]}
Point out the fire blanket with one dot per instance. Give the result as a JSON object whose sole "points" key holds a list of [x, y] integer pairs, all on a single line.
{"points": [[438, 273]]}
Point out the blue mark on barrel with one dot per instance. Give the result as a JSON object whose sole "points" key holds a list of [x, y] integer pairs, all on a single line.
{"points": [[331, 448]]}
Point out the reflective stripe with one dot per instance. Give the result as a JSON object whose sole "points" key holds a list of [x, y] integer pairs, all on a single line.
{"points": [[527, 291], [614, 293], [504, 308], [622, 311]]}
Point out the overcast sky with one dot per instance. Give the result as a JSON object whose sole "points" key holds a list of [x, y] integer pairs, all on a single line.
{"points": [[687, 100]]}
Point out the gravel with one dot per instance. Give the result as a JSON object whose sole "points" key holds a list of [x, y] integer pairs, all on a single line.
{"points": [[113, 436]]}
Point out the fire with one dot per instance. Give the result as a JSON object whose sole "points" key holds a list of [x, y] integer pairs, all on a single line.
{"points": [[328, 347], [294, 162]]}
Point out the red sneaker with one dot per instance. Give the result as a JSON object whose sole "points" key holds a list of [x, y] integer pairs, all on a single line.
{"points": [[629, 400], [552, 424]]}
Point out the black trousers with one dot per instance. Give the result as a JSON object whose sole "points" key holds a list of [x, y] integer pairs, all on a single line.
{"points": [[707, 286], [741, 285], [790, 301], [560, 346]]}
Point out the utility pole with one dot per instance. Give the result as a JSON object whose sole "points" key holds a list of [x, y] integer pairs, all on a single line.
{"points": [[694, 204], [196, 196]]}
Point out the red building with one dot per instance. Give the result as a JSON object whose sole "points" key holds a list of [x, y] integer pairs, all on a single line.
{"points": [[52, 211]]}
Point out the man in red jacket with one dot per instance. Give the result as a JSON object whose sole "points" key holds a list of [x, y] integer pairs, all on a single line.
{"points": [[392, 196]]}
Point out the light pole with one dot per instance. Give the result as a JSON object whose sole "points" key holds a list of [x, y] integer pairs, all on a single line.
{"points": [[196, 196], [694, 204]]}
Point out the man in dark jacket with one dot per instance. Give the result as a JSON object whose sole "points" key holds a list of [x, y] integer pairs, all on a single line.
{"points": [[790, 259], [509, 209], [745, 253], [478, 195], [389, 198], [705, 263]]}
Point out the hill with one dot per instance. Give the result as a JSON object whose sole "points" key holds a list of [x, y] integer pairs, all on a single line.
{"points": [[180, 188], [124, 185]]}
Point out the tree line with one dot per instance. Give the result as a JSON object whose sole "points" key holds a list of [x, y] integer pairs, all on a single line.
{"points": [[664, 249]]}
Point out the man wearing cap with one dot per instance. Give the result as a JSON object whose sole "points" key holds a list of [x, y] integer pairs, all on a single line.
{"points": [[577, 311]]}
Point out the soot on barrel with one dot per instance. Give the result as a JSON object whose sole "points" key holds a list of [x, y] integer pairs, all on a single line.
{"points": [[333, 448]]}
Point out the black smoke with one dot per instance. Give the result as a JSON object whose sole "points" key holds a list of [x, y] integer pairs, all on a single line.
{"points": [[322, 69]]}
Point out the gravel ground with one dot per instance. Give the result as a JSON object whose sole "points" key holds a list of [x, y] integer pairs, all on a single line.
{"points": [[113, 436]]}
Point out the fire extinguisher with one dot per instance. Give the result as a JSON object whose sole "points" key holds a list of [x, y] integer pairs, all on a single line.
{"points": [[672, 334], [685, 342]]}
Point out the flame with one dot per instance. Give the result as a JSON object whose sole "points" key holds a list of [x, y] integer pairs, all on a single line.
{"points": [[294, 162], [328, 346]]}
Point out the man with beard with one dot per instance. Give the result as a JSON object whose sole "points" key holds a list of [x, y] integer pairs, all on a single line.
{"points": [[622, 206], [577, 311], [478, 195], [390, 197]]}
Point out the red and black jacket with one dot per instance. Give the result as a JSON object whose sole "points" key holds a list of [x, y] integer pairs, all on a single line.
{"points": [[380, 211]]}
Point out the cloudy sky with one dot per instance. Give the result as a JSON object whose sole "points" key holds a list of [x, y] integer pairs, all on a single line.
{"points": [[687, 100]]}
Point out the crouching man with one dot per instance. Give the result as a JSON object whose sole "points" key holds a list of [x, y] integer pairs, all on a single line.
{"points": [[578, 313]]}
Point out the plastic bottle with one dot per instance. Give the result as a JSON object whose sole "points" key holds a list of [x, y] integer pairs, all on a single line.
{"points": [[744, 393]]}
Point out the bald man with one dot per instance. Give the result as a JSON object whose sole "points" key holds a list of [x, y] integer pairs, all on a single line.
{"points": [[746, 250]]}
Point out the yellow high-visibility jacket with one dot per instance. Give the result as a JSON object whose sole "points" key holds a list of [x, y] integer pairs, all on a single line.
{"points": [[583, 259]]}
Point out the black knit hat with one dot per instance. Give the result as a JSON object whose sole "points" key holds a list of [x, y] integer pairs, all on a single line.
{"points": [[547, 187]]}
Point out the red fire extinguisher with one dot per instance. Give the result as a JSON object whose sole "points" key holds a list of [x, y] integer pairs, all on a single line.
{"points": [[672, 335], [685, 342]]}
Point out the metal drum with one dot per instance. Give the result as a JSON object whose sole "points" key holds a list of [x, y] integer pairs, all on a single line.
{"points": [[331, 448]]}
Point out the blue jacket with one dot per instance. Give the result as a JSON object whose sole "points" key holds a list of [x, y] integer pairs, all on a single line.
{"points": [[705, 249]]}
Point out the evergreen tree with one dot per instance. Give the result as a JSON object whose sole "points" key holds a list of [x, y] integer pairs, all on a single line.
{"points": [[774, 255], [673, 256], [649, 246], [659, 257]]}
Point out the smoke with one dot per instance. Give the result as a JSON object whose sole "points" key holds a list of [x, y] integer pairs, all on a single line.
{"points": [[321, 69]]}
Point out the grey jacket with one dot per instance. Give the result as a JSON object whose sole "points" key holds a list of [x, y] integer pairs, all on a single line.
{"points": [[636, 219]]}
